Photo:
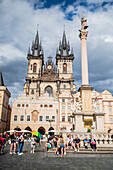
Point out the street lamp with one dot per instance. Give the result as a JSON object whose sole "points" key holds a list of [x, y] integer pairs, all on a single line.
{"points": [[50, 120]]}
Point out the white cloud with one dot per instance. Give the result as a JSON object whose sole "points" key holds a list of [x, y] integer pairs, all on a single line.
{"points": [[18, 28]]}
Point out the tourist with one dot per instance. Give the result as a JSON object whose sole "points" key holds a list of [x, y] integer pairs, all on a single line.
{"points": [[93, 143], [86, 143], [76, 143], [69, 142], [5, 138], [1, 143], [33, 144], [48, 145], [60, 145], [21, 143], [38, 140], [13, 142]]}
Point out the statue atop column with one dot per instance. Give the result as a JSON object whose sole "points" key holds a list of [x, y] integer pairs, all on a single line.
{"points": [[84, 26]]}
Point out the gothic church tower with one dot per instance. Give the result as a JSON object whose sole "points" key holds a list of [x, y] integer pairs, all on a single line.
{"points": [[35, 65]]}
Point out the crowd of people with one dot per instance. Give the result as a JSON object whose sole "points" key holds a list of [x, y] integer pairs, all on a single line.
{"points": [[60, 145], [16, 141]]}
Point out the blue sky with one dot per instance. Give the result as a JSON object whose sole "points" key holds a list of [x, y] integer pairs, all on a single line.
{"points": [[18, 25]]}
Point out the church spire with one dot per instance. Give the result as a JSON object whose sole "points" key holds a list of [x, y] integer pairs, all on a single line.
{"points": [[37, 40], [37, 49], [64, 47], [1, 79]]}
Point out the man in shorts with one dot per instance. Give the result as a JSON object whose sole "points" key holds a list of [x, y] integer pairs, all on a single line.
{"points": [[69, 142], [76, 143]]}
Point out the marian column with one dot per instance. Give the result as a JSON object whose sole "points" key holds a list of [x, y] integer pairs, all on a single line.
{"points": [[85, 89]]}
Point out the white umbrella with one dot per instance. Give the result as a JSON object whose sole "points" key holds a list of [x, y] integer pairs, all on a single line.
{"points": [[12, 131], [25, 131], [52, 131]]}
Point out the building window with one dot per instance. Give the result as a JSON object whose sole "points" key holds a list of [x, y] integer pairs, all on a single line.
{"points": [[22, 105], [94, 94], [69, 119], [50, 105], [111, 120], [15, 117], [69, 108], [18, 105], [98, 109], [27, 105], [31, 67], [109, 103], [45, 105], [64, 68], [49, 90], [69, 100], [47, 117], [53, 117], [41, 105], [97, 101], [63, 118], [63, 108], [40, 118], [32, 91], [34, 68], [28, 117], [63, 100], [110, 110], [106, 97], [22, 118], [64, 86]]}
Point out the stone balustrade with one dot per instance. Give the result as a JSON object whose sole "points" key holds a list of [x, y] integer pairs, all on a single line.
{"points": [[102, 139]]}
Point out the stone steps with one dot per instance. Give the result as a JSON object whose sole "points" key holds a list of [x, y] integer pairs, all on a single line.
{"points": [[82, 150]]}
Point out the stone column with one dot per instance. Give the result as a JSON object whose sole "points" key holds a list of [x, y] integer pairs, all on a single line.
{"points": [[85, 90], [84, 61]]}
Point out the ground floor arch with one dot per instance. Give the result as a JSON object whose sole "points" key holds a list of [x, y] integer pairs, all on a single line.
{"points": [[28, 128], [52, 131], [17, 128], [41, 130]]}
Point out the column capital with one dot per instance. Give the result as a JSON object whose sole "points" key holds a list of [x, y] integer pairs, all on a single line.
{"points": [[83, 34]]}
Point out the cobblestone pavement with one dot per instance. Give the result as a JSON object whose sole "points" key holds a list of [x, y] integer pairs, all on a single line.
{"points": [[41, 160]]}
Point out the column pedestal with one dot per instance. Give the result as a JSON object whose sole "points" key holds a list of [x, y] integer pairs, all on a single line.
{"points": [[85, 92]]}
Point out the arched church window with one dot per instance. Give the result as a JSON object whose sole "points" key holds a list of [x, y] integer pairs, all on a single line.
{"points": [[34, 68], [64, 68], [32, 91], [49, 90]]}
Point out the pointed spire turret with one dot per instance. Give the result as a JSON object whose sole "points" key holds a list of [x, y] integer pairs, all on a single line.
{"points": [[29, 51], [37, 40], [64, 47], [1, 79], [37, 49], [72, 51], [64, 41]]}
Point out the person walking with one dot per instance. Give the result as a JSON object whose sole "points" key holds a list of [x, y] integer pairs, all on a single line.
{"points": [[21, 143], [33, 144], [13, 142]]}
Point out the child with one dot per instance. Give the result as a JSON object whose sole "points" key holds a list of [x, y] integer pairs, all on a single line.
{"points": [[32, 145]]}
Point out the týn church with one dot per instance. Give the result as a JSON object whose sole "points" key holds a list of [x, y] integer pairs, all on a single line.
{"points": [[50, 101]]}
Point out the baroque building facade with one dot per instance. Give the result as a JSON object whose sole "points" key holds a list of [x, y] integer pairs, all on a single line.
{"points": [[50, 99], [5, 109]]}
